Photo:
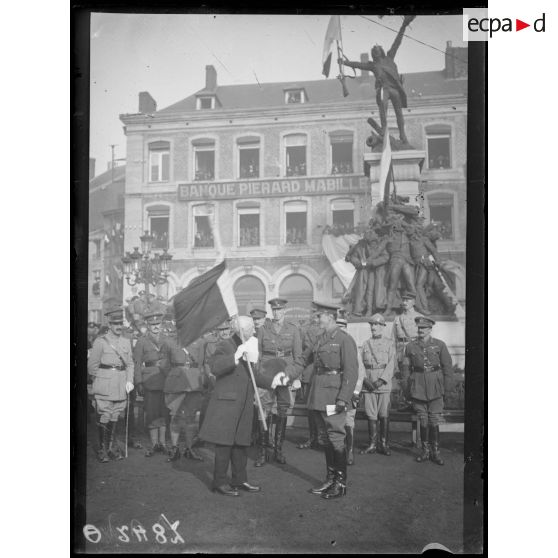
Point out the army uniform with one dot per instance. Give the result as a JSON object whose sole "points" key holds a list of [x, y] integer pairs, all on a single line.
{"points": [[334, 379], [280, 342], [378, 357], [431, 376], [111, 366]]}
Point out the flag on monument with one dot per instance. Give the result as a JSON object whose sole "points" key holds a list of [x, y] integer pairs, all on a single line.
{"points": [[204, 304], [386, 168], [333, 33]]}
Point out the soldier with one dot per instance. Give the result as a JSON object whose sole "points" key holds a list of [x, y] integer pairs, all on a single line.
{"points": [[280, 339], [112, 368], [259, 317], [183, 392], [378, 357], [351, 413], [309, 340], [335, 360], [92, 331], [150, 380], [431, 377]]}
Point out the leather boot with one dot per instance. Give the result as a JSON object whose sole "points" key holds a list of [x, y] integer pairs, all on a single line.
{"points": [[189, 452], [279, 438], [425, 455], [312, 442], [383, 446], [174, 454], [103, 443], [372, 437], [435, 436], [339, 486], [330, 475], [261, 445], [349, 445], [114, 451]]}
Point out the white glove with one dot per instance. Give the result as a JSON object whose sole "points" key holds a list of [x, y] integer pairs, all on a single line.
{"points": [[129, 387], [239, 353], [296, 385], [252, 349], [279, 380]]}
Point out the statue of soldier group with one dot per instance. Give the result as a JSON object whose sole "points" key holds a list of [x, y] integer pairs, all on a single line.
{"points": [[211, 376]]}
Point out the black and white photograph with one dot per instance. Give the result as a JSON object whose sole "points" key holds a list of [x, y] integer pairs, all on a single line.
{"points": [[276, 286]]}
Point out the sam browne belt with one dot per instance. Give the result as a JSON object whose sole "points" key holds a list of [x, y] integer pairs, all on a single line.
{"points": [[322, 370], [427, 369], [111, 367]]}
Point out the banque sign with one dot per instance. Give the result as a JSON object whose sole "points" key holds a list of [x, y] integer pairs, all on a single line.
{"points": [[300, 186]]}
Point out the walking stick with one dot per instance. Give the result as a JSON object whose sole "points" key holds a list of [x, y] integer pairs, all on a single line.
{"points": [[127, 415]]}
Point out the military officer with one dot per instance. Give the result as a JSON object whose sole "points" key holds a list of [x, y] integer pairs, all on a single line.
{"points": [[335, 358], [378, 357], [431, 376], [150, 380], [259, 317], [112, 368], [280, 339]]}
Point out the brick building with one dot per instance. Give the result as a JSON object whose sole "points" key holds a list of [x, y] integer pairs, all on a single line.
{"points": [[272, 164]]}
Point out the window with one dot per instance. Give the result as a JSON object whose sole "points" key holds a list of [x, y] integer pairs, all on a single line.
{"points": [[441, 213], [295, 222], [207, 102], [248, 157], [341, 152], [342, 213], [159, 161], [96, 287], [294, 96], [295, 155], [337, 289], [204, 159], [96, 248], [158, 218], [248, 224], [298, 290], [203, 218], [249, 290], [438, 146]]}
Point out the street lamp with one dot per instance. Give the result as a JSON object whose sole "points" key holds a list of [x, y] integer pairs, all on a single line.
{"points": [[142, 267]]}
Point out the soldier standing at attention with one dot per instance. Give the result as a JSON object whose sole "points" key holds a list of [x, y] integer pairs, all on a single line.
{"points": [[333, 384], [112, 368], [280, 339], [431, 377], [150, 380], [378, 357]]}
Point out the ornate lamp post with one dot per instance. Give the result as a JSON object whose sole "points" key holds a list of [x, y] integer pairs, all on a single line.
{"points": [[142, 267]]}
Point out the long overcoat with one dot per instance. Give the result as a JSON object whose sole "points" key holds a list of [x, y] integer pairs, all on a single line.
{"points": [[228, 419]]}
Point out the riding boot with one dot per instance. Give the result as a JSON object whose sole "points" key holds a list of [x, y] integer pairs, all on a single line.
{"points": [[279, 438], [435, 435], [425, 455], [372, 437], [189, 452], [383, 445], [174, 454], [339, 486], [330, 466], [261, 445], [114, 451], [313, 434], [349, 445], [103, 443]]}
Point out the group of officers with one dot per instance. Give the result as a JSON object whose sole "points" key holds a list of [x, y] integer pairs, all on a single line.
{"points": [[215, 376]]}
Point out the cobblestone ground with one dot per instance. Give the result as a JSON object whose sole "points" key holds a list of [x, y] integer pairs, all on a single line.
{"points": [[393, 504]]}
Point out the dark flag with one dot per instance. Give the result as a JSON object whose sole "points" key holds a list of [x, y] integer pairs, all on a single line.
{"points": [[204, 304]]}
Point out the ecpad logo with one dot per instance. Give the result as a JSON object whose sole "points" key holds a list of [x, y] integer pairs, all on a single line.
{"points": [[477, 26]]}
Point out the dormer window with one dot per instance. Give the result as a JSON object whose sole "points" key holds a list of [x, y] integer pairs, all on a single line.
{"points": [[295, 96], [206, 102]]}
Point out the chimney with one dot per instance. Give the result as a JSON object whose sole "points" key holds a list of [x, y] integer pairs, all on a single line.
{"points": [[91, 168], [364, 60], [210, 78], [456, 61], [147, 104]]}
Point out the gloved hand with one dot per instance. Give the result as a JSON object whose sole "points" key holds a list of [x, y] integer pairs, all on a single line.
{"points": [[129, 387], [368, 384], [355, 400], [280, 379], [239, 352], [378, 384], [252, 349], [296, 385], [340, 406], [139, 390]]}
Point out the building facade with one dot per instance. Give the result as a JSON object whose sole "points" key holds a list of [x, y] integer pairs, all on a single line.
{"points": [[259, 171]]}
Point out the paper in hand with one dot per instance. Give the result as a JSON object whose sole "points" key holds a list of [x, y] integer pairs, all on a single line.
{"points": [[330, 410]]}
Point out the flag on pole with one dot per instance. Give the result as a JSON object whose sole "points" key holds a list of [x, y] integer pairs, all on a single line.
{"points": [[386, 168], [333, 33], [205, 303]]}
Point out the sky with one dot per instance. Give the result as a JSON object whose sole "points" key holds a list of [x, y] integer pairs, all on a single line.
{"points": [[166, 55]]}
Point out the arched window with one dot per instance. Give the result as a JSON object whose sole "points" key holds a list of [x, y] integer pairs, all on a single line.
{"points": [[438, 140], [159, 161], [249, 292], [298, 290]]}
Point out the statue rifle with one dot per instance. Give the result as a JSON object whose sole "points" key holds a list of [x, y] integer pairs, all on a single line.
{"points": [[447, 289]]}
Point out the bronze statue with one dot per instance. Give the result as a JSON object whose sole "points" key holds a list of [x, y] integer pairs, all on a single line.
{"points": [[388, 81]]}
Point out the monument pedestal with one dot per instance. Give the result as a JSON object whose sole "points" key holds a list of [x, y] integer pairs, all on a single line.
{"points": [[407, 166]]}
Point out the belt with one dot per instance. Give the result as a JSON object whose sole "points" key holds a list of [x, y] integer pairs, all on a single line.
{"points": [[375, 367], [150, 363], [322, 371], [111, 367], [403, 339], [430, 369], [278, 353], [185, 364]]}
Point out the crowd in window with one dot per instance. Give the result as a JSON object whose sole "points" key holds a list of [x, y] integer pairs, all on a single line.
{"points": [[203, 239], [445, 229], [204, 175], [250, 236], [337, 229], [296, 235], [296, 170], [342, 168], [249, 171], [439, 162], [160, 239]]}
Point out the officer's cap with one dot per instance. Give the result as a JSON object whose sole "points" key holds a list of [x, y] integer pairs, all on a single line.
{"points": [[408, 295], [423, 321], [377, 319], [153, 318], [322, 308], [257, 313], [115, 315], [277, 303]]}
